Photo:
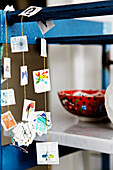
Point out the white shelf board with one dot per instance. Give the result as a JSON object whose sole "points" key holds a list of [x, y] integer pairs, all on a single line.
{"points": [[68, 131]]}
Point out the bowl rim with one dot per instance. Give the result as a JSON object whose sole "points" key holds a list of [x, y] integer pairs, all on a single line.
{"points": [[63, 92]]}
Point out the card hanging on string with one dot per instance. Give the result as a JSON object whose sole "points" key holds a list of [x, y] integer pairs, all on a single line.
{"points": [[9, 8], [7, 97], [28, 108], [33, 116], [30, 11], [24, 75], [7, 67], [18, 134], [42, 121], [45, 26], [24, 133], [43, 48], [41, 81], [7, 120], [47, 153], [19, 44]]}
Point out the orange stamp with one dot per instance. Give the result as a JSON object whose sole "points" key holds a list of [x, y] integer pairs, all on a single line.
{"points": [[7, 121]]}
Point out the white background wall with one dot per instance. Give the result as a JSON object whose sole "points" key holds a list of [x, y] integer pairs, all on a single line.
{"points": [[75, 67]]}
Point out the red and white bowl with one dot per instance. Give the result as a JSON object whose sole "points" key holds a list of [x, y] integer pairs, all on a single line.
{"points": [[84, 103]]}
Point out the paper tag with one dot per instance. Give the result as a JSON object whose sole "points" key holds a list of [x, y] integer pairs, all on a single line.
{"points": [[24, 75], [45, 26], [43, 47], [28, 108], [24, 133], [41, 81], [19, 44], [9, 8], [47, 153], [7, 67], [42, 125], [7, 120], [42, 121], [30, 11], [7, 97]]}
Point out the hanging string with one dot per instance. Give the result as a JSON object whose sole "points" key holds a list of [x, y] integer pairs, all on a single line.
{"points": [[2, 75], [6, 34], [6, 48], [44, 63], [45, 98], [23, 55]]}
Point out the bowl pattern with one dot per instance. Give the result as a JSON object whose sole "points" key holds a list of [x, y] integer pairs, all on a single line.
{"points": [[86, 103]]}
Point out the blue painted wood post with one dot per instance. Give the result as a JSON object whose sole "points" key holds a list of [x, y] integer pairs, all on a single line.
{"points": [[89, 39], [105, 82], [66, 12], [0, 123], [105, 161], [14, 159], [105, 66]]}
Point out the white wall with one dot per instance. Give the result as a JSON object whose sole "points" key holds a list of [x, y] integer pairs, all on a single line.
{"points": [[74, 67]]}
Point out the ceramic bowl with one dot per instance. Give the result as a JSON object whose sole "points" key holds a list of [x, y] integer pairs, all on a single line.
{"points": [[84, 103]]}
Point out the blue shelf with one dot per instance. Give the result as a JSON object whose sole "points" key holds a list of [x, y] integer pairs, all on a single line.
{"points": [[68, 31]]}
